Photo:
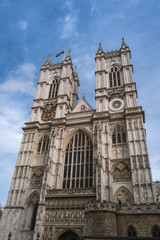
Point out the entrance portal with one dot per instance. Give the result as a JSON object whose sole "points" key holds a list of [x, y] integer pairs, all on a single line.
{"points": [[69, 235]]}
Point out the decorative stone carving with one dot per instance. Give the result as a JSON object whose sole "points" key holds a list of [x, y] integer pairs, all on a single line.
{"points": [[36, 178], [121, 172], [116, 94], [124, 196], [64, 216]]}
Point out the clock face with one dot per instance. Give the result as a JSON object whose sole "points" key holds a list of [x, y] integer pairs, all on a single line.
{"points": [[116, 104], [48, 115]]}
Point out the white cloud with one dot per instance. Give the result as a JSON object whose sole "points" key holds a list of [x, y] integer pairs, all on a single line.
{"points": [[69, 25], [93, 6], [23, 25], [20, 80]]}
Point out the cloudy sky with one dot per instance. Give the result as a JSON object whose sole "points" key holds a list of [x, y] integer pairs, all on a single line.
{"points": [[31, 30]]}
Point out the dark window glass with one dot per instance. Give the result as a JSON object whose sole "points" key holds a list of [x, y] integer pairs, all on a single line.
{"points": [[33, 222], [156, 231], [77, 183], [65, 171], [68, 183], [73, 183], [132, 232], [113, 138], [74, 168], [81, 183], [124, 137]]}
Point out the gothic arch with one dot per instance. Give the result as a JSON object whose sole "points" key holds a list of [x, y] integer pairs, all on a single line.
{"points": [[68, 230], [78, 162], [30, 212], [155, 231], [54, 83], [69, 136], [131, 231], [30, 197], [123, 196]]}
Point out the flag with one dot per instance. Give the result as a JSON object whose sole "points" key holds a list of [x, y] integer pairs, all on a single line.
{"points": [[58, 54]]}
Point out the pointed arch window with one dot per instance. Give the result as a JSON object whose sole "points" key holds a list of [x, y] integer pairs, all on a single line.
{"points": [[54, 88], [156, 231], [132, 232], [119, 136], [114, 77], [43, 145], [78, 168]]}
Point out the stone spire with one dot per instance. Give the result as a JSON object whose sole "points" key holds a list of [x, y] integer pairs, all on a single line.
{"points": [[68, 58], [124, 45], [100, 50]]}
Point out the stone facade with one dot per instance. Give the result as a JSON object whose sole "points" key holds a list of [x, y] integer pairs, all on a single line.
{"points": [[83, 172]]}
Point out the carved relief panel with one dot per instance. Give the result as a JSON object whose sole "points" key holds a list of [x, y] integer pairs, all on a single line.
{"points": [[121, 171]]}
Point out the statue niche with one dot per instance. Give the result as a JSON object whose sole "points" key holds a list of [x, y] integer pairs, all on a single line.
{"points": [[123, 196]]}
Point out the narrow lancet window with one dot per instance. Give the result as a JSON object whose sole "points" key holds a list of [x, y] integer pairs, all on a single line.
{"points": [[43, 145]]}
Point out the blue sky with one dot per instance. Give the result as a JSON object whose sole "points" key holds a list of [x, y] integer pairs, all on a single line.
{"points": [[30, 30]]}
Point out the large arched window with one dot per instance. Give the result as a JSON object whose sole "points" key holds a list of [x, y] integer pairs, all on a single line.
{"points": [[43, 145], [114, 77], [119, 136], [156, 231], [132, 232], [54, 89], [78, 168]]}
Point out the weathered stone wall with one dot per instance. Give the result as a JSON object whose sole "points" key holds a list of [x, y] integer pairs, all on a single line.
{"points": [[143, 223], [100, 223]]}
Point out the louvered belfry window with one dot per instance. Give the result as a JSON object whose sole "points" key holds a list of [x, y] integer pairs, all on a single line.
{"points": [[114, 77], [78, 167], [53, 92], [119, 136]]}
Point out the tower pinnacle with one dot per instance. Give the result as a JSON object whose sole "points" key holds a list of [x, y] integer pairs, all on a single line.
{"points": [[48, 62], [124, 45]]}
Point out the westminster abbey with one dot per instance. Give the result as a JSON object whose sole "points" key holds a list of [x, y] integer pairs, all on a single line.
{"points": [[83, 173]]}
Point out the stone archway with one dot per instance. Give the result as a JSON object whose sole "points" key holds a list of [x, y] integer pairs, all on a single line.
{"points": [[69, 235]]}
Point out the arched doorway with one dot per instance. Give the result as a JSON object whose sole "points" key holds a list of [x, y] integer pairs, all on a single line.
{"points": [[69, 235]]}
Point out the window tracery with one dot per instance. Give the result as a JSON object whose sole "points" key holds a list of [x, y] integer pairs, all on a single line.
{"points": [[119, 136], [156, 231], [78, 168], [132, 232], [43, 145], [54, 88], [114, 77]]}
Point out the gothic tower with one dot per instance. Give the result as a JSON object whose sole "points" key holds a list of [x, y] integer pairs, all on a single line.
{"points": [[80, 172]]}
